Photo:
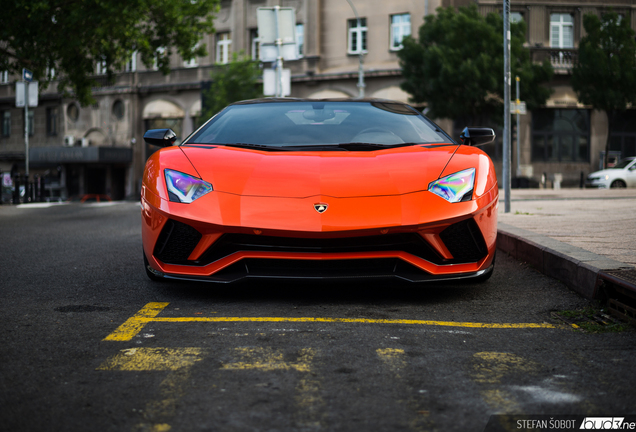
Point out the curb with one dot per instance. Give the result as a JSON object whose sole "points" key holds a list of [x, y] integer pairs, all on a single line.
{"points": [[577, 268]]}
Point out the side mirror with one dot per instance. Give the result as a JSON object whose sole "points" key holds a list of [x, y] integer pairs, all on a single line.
{"points": [[474, 136], [160, 137]]}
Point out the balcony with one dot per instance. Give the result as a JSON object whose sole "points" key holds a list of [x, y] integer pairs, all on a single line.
{"points": [[562, 59]]}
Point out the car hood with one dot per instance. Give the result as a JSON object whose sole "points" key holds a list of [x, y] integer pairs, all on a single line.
{"points": [[327, 173], [602, 173]]}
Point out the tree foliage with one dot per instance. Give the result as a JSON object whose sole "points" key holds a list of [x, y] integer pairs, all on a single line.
{"points": [[72, 36], [456, 66], [236, 81], [605, 74]]}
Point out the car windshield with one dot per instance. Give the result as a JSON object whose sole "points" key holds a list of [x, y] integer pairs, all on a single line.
{"points": [[623, 163], [319, 124]]}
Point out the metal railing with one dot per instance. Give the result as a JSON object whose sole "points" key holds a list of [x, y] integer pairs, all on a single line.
{"points": [[561, 59]]}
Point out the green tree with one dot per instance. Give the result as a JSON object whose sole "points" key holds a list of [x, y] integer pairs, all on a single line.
{"points": [[456, 66], [236, 81], [72, 36], [605, 74]]}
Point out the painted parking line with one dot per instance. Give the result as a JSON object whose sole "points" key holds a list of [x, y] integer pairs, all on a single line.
{"points": [[136, 323], [177, 361], [153, 359], [148, 314]]}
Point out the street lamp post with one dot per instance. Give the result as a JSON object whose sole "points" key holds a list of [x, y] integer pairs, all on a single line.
{"points": [[518, 102], [506, 134], [361, 84]]}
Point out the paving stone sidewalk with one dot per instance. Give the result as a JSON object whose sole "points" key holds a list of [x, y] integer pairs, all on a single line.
{"points": [[571, 234]]}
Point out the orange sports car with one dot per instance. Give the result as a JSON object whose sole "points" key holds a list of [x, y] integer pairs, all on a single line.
{"points": [[319, 189]]}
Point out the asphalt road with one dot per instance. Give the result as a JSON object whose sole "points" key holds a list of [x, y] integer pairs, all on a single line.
{"points": [[88, 343]]}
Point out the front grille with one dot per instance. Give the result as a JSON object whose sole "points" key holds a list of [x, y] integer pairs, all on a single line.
{"points": [[228, 244], [464, 241], [176, 242]]}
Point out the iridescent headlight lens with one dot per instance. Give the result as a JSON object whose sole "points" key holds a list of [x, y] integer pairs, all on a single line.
{"points": [[185, 188], [455, 187]]}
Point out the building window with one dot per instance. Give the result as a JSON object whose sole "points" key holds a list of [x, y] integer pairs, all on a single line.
{"points": [[51, 121], [159, 54], [357, 36], [516, 17], [254, 44], [72, 112], [400, 28], [4, 77], [6, 123], [50, 73], [561, 31], [300, 40], [131, 65], [560, 135], [31, 117], [223, 47], [194, 61], [623, 135], [101, 67], [119, 109]]}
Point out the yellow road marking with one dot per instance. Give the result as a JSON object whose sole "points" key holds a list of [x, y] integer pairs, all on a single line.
{"points": [[149, 313], [490, 368], [415, 405], [308, 391], [134, 324], [152, 359], [267, 359], [176, 360], [393, 358]]}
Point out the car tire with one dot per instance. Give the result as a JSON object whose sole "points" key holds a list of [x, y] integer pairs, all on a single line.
{"points": [[153, 277], [618, 184]]}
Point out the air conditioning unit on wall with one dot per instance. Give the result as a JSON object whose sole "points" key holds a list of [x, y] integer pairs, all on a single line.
{"points": [[69, 141]]}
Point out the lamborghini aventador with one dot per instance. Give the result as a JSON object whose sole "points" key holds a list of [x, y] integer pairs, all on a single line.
{"points": [[319, 189]]}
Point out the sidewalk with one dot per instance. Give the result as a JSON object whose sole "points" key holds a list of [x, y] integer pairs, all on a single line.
{"points": [[583, 237]]}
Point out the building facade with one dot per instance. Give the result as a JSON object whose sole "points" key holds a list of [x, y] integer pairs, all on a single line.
{"points": [[99, 149]]}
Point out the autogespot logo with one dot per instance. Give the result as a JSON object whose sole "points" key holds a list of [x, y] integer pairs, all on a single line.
{"points": [[607, 423]]}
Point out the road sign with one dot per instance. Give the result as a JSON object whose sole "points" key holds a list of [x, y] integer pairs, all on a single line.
{"points": [[276, 24], [269, 82], [20, 97], [520, 107], [27, 75]]}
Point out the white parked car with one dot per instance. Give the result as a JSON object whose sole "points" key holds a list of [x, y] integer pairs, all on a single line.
{"points": [[623, 174]]}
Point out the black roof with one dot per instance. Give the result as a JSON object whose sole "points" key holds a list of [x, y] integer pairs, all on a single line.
{"points": [[290, 99]]}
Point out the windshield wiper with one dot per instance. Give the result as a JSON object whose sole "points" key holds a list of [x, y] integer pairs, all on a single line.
{"points": [[361, 146], [353, 146], [252, 146]]}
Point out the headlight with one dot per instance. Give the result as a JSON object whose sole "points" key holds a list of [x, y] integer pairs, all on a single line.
{"points": [[184, 188], [455, 187]]}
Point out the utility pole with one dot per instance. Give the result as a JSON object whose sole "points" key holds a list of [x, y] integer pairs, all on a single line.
{"points": [[279, 59], [26, 133], [518, 102], [506, 134], [361, 84]]}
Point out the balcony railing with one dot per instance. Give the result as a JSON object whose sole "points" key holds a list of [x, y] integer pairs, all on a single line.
{"points": [[562, 59]]}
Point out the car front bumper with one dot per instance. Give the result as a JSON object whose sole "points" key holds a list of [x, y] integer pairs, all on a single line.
{"points": [[182, 241]]}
